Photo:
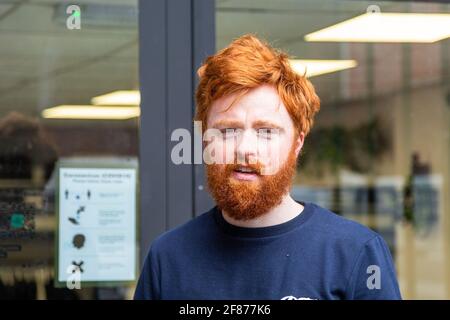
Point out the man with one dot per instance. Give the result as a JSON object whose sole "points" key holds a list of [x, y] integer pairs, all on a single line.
{"points": [[258, 243]]}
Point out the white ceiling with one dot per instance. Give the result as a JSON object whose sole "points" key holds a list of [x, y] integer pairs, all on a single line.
{"points": [[43, 64], [284, 23]]}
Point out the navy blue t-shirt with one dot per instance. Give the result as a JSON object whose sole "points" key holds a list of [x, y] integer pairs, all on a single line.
{"points": [[316, 255]]}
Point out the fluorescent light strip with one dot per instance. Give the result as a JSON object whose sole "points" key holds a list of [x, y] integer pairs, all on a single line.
{"points": [[120, 97], [91, 112], [318, 67], [387, 27]]}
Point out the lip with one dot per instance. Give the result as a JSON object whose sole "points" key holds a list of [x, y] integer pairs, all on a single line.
{"points": [[244, 176]]}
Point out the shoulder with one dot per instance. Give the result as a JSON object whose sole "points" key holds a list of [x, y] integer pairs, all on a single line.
{"points": [[357, 252], [331, 227], [198, 228], [341, 226]]}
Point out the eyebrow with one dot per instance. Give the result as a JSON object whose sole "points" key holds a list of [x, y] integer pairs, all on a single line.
{"points": [[266, 124], [228, 123], [239, 124]]}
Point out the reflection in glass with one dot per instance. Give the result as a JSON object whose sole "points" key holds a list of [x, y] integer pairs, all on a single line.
{"points": [[45, 64], [379, 152]]}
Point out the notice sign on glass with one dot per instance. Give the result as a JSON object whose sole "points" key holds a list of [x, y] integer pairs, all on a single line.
{"points": [[96, 225]]}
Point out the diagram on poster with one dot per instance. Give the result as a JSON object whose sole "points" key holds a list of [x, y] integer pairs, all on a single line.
{"points": [[97, 224]]}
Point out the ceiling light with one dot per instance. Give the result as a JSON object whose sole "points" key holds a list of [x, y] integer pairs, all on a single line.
{"points": [[318, 67], [120, 97], [387, 27], [91, 112]]}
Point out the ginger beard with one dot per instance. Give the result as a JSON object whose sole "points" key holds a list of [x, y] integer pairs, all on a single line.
{"points": [[246, 200]]}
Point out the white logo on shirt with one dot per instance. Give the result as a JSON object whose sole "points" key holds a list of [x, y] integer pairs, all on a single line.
{"points": [[294, 298]]}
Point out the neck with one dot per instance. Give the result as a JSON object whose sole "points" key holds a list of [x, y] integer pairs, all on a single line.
{"points": [[285, 211]]}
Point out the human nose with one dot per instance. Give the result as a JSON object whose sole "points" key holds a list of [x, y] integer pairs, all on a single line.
{"points": [[246, 149]]}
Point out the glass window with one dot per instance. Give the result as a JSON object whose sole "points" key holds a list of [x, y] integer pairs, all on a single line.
{"points": [[68, 94], [379, 152]]}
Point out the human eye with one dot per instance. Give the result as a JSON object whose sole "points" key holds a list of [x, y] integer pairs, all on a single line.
{"points": [[228, 132], [266, 133]]}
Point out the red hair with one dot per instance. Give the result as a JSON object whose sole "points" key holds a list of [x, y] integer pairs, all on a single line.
{"points": [[248, 63]]}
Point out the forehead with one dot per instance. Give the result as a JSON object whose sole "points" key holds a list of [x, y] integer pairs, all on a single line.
{"points": [[261, 103]]}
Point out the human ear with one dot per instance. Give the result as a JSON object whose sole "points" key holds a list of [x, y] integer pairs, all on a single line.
{"points": [[299, 143]]}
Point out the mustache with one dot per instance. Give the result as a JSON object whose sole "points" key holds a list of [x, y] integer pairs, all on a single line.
{"points": [[257, 168]]}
